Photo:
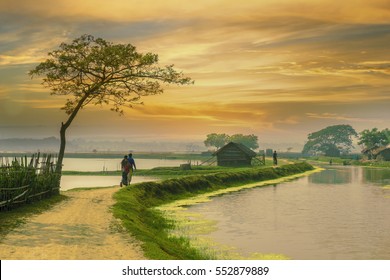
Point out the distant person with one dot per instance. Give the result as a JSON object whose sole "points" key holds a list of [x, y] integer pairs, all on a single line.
{"points": [[275, 157], [330, 161], [125, 167], [132, 167]]}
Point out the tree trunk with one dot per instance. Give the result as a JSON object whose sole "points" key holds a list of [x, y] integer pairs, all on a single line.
{"points": [[62, 148], [64, 127]]}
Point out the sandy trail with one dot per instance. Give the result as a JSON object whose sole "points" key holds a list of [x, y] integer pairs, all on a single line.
{"points": [[80, 228]]}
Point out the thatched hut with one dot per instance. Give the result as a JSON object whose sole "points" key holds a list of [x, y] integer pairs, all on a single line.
{"points": [[234, 154], [383, 153], [377, 153]]}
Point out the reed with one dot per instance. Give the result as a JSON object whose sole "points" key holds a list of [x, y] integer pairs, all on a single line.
{"points": [[24, 180]]}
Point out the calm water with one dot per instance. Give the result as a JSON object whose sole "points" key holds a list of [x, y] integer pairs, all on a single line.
{"points": [[109, 164], [340, 213], [100, 164]]}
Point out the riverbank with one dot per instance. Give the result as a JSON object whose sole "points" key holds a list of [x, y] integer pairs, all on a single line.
{"points": [[346, 161], [137, 206], [166, 172]]}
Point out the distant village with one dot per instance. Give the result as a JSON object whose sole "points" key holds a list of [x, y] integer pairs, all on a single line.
{"points": [[332, 141]]}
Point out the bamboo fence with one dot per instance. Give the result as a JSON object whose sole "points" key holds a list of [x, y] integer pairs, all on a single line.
{"points": [[24, 181]]}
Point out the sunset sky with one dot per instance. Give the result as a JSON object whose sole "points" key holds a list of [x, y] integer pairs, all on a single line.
{"points": [[279, 69]]}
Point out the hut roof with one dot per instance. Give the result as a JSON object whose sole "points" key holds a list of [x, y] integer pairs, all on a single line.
{"points": [[375, 150], [369, 150], [381, 149], [240, 146]]}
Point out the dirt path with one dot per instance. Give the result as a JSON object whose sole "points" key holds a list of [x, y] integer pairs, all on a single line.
{"points": [[81, 228]]}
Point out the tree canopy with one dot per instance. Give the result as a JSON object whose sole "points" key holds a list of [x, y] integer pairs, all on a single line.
{"points": [[251, 141], [216, 140], [93, 71], [331, 140], [219, 140], [99, 72], [374, 138]]}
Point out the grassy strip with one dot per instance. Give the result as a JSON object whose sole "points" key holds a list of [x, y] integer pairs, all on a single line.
{"points": [[166, 172], [91, 173], [343, 161], [135, 205], [159, 172], [12, 219], [175, 172], [371, 163]]}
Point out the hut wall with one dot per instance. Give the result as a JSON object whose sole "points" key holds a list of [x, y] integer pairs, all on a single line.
{"points": [[384, 155], [232, 156]]}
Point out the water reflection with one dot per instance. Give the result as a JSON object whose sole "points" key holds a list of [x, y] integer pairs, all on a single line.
{"points": [[109, 164], [332, 176], [340, 213], [100, 164], [376, 175], [351, 175]]}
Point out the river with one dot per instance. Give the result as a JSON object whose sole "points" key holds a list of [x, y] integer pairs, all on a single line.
{"points": [[103, 164], [337, 214], [107, 164]]}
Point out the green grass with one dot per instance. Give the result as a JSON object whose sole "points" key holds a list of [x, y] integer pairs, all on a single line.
{"points": [[135, 206], [12, 219], [176, 172], [91, 173], [168, 172], [379, 164], [343, 161]]}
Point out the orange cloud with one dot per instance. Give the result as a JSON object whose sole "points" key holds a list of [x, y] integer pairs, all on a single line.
{"points": [[258, 66]]}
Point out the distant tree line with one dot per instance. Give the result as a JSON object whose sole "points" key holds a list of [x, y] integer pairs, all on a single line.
{"points": [[374, 138], [338, 139], [219, 140]]}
